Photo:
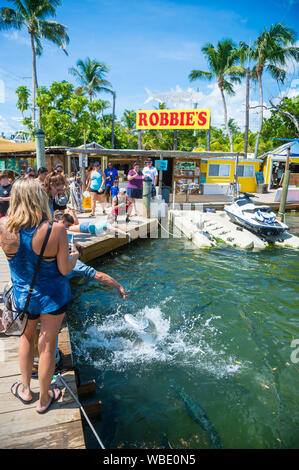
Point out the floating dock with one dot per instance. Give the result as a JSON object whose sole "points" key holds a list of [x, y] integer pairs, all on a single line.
{"points": [[207, 229]]}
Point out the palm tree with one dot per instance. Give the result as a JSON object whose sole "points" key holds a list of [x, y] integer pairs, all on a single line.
{"points": [[90, 74], [32, 15], [223, 66], [245, 53], [23, 95], [271, 50]]}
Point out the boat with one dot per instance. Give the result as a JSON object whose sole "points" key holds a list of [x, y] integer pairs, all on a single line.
{"points": [[258, 219]]}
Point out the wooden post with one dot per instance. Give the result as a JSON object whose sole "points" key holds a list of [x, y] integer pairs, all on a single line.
{"points": [[175, 140], [146, 197], [160, 179], [82, 169], [113, 119], [285, 187], [139, 140]]}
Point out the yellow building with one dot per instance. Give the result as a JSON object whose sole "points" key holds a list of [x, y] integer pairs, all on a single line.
{"points": [[272, 159], [221, 171]]}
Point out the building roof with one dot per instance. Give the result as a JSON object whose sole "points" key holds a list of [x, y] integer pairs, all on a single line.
{"points": [[7, 146], [281, 151]]}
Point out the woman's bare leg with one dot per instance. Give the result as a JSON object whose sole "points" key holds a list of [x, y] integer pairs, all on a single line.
{"points": [[50, 325], [133, 203], [93, 202], [101, 200], [26, 355]]}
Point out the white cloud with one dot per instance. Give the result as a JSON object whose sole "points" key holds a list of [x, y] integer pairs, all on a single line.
{"points": [[235, 106], [5, 127], [16, 36]]}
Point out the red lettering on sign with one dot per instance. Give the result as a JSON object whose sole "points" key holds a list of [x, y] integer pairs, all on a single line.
{"points": [[164, 119], [182, 115], [142, 119], [202, 118], [174, 119], [154, 119], [190, 119]]}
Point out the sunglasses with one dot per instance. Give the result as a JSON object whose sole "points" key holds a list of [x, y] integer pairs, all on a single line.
{"points": [[31, 175], [59, 171]]}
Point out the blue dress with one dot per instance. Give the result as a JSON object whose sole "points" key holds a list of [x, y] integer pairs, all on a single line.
{"points": [[51, 290]]}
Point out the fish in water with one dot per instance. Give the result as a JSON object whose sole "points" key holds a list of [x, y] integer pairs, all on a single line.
{"points": [[144, 328], [197, 413]]}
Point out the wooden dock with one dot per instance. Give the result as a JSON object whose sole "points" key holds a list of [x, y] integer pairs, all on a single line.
{"points": [[92, 247], [21, 427]]}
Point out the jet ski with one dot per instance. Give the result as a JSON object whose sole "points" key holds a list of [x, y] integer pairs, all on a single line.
{"points": [[258, 219]]}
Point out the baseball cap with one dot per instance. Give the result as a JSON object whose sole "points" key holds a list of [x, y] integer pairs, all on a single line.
{"points": [[122, 190], [30, 170]]}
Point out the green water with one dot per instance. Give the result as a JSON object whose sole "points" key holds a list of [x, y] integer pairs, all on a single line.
{"points": [[225, 321]]}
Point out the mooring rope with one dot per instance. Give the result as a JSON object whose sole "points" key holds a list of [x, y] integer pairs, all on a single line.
{"points": [[82, 409], [169, 233]]}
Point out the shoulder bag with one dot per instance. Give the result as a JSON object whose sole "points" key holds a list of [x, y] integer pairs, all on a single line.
{"points": [[14, 321]]}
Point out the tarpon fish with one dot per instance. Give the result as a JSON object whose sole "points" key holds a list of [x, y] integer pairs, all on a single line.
{"points": [[198, 414], [267, 358], [175, 96], [144, 328]]}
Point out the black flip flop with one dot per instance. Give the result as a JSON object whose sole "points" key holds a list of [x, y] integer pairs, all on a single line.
{"points": [[26, 402], [53, 399]]}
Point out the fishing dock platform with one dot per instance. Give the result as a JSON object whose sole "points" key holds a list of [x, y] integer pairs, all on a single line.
{"points": [[21, 427]]}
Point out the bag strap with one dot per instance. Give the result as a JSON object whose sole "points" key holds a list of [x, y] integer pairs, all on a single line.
{"points": [[37, 266]]}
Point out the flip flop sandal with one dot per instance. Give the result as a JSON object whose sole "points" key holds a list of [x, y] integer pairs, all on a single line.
{"points": [[53, 399], [16, 394]]}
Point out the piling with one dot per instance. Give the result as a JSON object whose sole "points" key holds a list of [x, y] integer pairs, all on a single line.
{"points": [[285, 187], [146, 197], [40, 148]]}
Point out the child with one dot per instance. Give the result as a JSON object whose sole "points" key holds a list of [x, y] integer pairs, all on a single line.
{"points": [[121, 205], [114, 189]]}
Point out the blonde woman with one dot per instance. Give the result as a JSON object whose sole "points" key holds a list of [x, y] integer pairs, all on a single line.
{"points": [[22, 234]]}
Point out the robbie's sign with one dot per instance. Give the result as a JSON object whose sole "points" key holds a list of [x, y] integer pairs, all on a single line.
{"points": [[173, 119]]}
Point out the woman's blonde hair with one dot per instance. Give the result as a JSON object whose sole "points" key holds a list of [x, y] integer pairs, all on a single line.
{"points": [[29, 204]]}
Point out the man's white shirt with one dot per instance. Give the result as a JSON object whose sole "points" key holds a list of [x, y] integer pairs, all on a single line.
{"points": [[151, 172]]}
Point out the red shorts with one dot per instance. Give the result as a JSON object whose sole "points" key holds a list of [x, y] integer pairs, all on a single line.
{"points": [[121, 211]]}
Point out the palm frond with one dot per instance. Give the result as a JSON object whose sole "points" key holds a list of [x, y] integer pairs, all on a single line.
{"points": [[198, 74], [54, 32], [10, 19], [228, 88], [277, 73]]}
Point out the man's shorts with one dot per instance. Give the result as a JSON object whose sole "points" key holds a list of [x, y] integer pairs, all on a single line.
{"points": [[84, 227], [107, 190]]}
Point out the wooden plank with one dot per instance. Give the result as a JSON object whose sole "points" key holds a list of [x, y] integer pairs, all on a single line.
{"points": [[58, 436]]}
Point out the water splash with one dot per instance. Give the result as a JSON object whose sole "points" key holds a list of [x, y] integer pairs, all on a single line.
{"points": [[112, 345]]}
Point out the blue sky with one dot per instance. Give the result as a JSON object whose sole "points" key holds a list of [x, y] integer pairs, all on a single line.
{"points": [[147, 44]]}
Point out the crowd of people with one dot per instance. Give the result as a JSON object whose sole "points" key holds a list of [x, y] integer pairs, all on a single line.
{"points": [[33, 205]]}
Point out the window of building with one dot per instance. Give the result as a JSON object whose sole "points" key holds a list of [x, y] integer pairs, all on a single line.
{"points": [[245, 171], [221, 170]]}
